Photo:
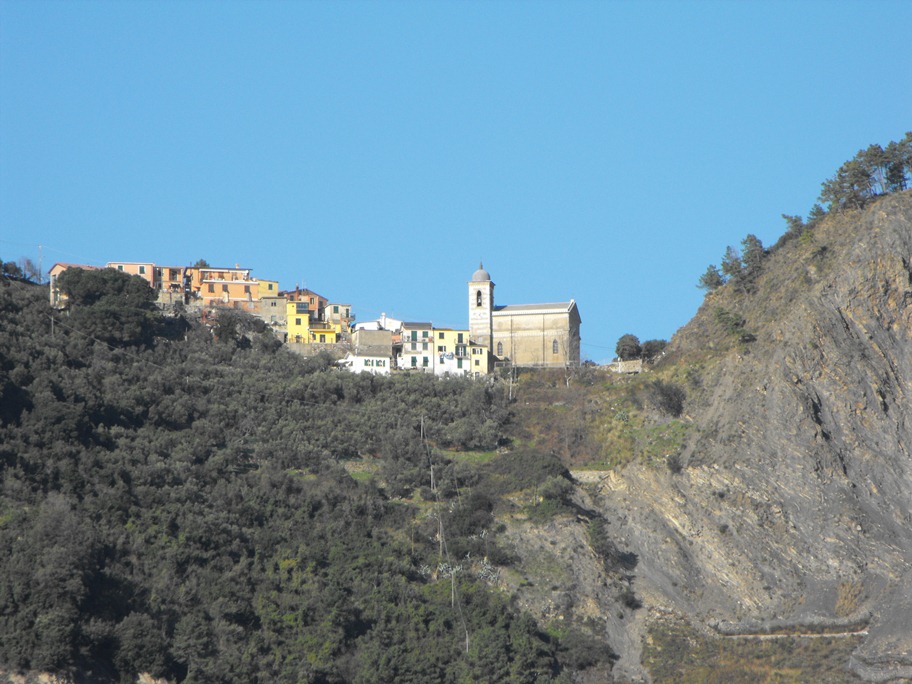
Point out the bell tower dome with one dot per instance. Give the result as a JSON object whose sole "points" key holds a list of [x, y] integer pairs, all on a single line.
{"points": [[481, 308]]}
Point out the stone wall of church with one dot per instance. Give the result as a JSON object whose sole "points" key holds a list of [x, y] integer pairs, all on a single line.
{"points": [[548, 340]]}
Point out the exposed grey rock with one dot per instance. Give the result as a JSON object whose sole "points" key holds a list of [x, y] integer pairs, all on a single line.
{"points": [[795, 502]]}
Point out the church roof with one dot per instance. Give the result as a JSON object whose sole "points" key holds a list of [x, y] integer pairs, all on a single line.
{"points": [[480, 274], [553, 307]]}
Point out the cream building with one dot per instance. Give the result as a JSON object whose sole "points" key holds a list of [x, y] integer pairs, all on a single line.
{"points": [[540, 335]]}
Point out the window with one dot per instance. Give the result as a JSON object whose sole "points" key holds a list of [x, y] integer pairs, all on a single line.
{"points": [[211, 287], [414, 335], [459, 338], [414, 362], [441, 348], [554, 347], [297, 321], [424, 333], [311, 300], [478, 298], [269, 286], [424, 362], [142, 270], [424, 346], [477, 362], [246, 289], [224, 287], [322, 338], [120, 267], [440, 336], [458, 363], [500, 348], [336, 309]]}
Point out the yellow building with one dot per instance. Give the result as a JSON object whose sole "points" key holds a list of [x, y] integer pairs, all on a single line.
{"points": [[297, 322], [267, 288], [480, 359], [302, 329], [451, 352], [323, 333]]}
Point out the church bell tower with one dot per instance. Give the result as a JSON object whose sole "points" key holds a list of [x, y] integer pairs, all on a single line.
{"points": [[481, 308]]}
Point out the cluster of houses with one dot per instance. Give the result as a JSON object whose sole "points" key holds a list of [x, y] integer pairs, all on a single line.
{"points": [[538, 335]]}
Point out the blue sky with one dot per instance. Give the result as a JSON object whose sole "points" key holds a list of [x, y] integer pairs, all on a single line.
{"points": [[376, 152]]}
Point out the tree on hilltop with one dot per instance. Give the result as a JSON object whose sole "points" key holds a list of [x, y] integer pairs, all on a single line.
{"points": [[712, 279], [109, 305], [731, 263], [628, 347], [752, 255]]}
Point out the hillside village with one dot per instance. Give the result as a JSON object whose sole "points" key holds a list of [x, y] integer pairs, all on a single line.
{"points": [[524, 335]]}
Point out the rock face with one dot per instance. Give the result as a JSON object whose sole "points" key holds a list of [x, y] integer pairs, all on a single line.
{"points": [[794, 505]]}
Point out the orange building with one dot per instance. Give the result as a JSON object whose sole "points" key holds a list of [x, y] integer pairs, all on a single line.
{"points": [[231, 287], [144, 269]]}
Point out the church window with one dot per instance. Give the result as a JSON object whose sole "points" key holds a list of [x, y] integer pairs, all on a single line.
{"points": [[554, 347], [478, 298], [500, 348]]}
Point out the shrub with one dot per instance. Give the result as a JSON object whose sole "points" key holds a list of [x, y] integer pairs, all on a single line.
{"points": [[667, 397]]}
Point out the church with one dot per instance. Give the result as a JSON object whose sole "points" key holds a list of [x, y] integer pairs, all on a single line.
{"points": [[535, 335]]}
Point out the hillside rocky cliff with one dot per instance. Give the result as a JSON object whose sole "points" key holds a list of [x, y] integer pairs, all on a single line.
{"points": [[793, 506]]}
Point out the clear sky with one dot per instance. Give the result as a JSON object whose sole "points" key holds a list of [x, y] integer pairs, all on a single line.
{"points": [[375, 152]]}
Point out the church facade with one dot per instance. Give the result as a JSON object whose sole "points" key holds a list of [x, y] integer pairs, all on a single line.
{"points": [[534, 335]]}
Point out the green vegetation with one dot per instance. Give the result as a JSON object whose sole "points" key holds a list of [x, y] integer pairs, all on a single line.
{"points": [[873, 172], [629, 348], [174, 501]]}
